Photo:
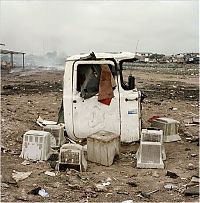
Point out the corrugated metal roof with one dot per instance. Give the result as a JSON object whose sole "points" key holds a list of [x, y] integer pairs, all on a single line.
{"points": [[3, 51]]}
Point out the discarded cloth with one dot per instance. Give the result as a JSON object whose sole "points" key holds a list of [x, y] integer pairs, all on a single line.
{"points": [[105, 85]]}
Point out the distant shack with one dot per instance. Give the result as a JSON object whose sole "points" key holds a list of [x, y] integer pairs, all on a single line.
{"points": [[9, 65]]}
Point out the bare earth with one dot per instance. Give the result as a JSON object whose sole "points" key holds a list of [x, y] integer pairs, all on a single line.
{"points": [[25, 96]]}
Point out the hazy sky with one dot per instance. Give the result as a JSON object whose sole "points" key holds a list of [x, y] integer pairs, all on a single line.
{"points": [[82, 26]]}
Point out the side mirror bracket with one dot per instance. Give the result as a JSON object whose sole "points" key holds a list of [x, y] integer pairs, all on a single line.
{"points": [[131, 82]]}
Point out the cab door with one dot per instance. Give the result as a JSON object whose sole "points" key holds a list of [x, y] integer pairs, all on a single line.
{"points": [[89, 115], [130, 105]]}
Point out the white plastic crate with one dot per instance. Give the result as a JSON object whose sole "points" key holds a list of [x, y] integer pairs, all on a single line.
{"points": [[72, 156], [36, 145], [151, 151], [102, 147], [57, 134], [169, 127]]}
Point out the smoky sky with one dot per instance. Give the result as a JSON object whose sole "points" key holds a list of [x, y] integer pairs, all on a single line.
{"points": [[74, 27]]}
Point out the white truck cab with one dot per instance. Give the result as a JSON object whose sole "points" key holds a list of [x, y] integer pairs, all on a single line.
{"points": [[84, 114]]}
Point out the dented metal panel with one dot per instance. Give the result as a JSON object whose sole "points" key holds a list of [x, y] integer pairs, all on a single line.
{"points": [[91, 116]]}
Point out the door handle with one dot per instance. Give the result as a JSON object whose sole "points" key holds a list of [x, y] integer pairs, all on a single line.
{"points": [[74, 101], [131, 99]]}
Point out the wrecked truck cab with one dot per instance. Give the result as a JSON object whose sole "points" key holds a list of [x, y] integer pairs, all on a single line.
{"points": [[98, 96]]}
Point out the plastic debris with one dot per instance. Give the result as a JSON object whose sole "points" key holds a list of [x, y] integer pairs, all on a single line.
{"points": [[41, 122], [106, 183], [147, 194], [128, 201], [172, 174], [43, 193], [25, 162], [17, 176], [170, 186], [192, 191], [39, 191], [195, 179], [49, 173], [35, 191], [193, 155]]}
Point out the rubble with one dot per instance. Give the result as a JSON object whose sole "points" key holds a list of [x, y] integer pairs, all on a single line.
{"points": [[170, 186], [49, 173], [192, 191], [177, 158], [172, 174], [17, 176]]}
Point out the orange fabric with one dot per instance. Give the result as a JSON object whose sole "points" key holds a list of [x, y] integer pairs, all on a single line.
{"points": [[105, 85], [106, 101]]}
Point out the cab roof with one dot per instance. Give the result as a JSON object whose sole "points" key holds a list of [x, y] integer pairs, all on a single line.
{"points": [[117, 56]]}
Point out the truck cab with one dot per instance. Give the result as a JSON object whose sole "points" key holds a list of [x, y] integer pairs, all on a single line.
{"points": [[100, 94]]}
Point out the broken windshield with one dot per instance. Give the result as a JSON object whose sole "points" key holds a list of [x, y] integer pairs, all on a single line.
{"points": [[88, 79], [126, 67]]}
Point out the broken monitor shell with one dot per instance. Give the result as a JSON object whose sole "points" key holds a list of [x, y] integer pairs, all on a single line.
{"points": [[151, 151], [57, 134], [169, 127], [72, 156], [36, 145]]}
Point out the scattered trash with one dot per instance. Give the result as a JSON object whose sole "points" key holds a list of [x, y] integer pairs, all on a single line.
{"points": [[172, 174], [72, 156], [191, 166], [36, 145], [4, 185], [183, 178], [147, 194], [41, 122], [35, 191], [106, 183], [132, 183], [17, 176], [25, 162], [169, 127], [49, 173], [39, 191], [170, 186], [43, 193], [100, 188], [128, 201], [151, 150], [122, 193], [192, 191], [195, 179], [150, 120]]}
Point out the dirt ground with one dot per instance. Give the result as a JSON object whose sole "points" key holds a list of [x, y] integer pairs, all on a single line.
{"points": [[171, 92]]}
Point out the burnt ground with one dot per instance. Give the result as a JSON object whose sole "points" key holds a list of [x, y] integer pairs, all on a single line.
{"points": [[171, 92]]}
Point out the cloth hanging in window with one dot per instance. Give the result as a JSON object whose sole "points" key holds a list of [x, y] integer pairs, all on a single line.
{"points": [[106, 84]]}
